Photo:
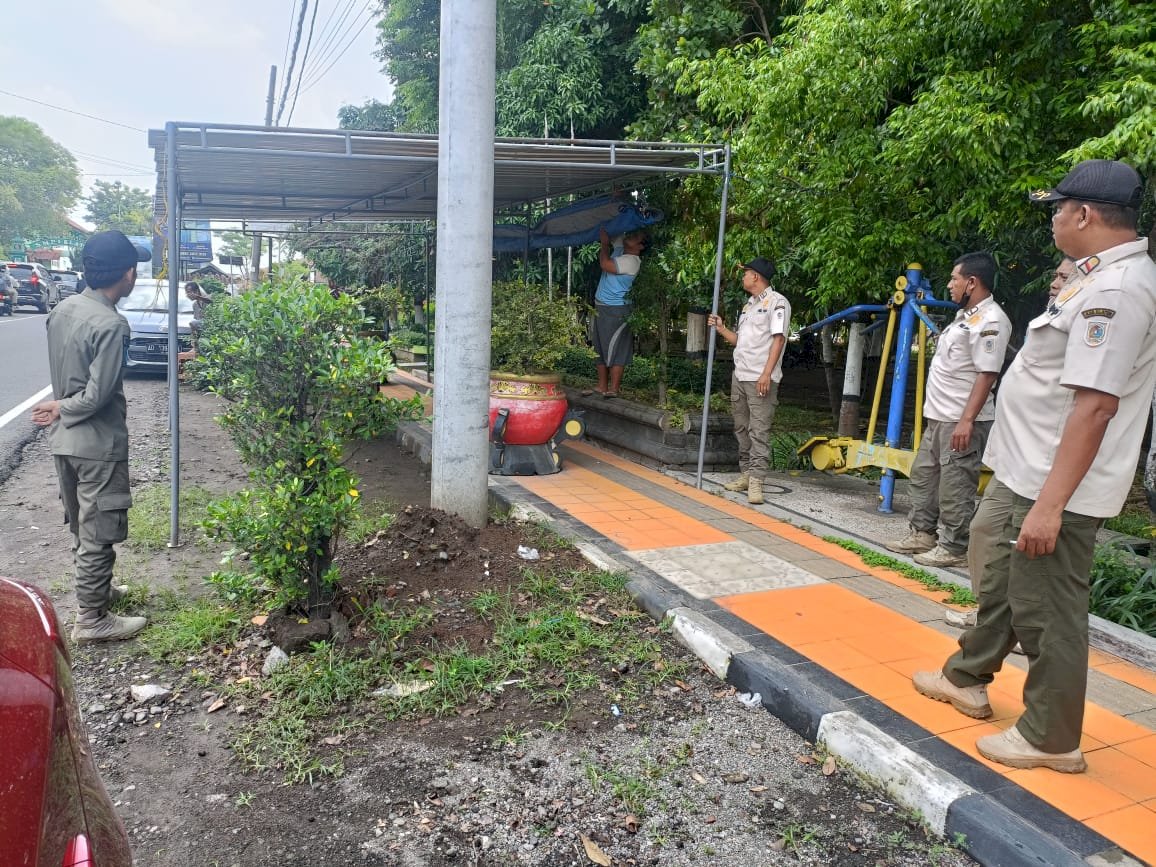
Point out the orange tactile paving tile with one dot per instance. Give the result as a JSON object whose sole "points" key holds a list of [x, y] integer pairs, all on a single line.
{"points": [[842, 631], [632, 520], [782, 529], [1105, 663]]}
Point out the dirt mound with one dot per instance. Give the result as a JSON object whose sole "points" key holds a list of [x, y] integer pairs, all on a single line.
{"points": [[428, 551]]}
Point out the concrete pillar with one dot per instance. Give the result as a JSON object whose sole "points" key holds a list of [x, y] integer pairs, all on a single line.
{"points": [[465, 228]]}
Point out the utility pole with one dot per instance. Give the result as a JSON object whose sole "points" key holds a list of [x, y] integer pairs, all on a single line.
{"points": [[255, 256], [465, 232]]}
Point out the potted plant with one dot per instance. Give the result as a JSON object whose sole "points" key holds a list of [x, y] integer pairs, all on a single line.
{"points": [[530, 333]]}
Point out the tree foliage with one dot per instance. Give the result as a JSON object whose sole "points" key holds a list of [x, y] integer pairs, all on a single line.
{"points": [[299, 384], [118, 206], [868, 134], [564, 64], [39, 182]]}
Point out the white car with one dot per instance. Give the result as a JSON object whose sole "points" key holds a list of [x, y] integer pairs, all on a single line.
{"points": [[147, 312]]}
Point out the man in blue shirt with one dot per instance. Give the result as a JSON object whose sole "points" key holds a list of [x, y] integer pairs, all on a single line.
{"points": [[612, 307]]}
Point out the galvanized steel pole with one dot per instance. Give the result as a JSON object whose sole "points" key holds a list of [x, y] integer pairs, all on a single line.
{"points": [[255, 251], [718, 265], [465, 228], [174, 266]]}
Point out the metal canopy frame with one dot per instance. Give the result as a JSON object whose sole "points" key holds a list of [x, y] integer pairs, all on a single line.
{"points": [[323, 178]]}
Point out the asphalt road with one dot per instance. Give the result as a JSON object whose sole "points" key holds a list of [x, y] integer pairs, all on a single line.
{"points": [[23, 376]]}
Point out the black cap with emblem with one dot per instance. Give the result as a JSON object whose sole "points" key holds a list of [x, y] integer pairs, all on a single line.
{"points": [[110, 251], [1108, 181]]}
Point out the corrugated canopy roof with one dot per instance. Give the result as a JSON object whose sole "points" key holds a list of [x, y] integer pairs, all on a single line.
{"points": [[309, 175]]}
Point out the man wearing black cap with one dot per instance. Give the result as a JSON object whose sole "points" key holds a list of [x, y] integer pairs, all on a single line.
{"points": [[760, 341], [1067, 434], [87, 342]]}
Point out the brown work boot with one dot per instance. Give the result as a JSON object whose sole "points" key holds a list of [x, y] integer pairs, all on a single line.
{"points": [[94, 625], [940, 557], [1012, 749], [755, 491], [915, 542], [968, 700], [739, 484]]}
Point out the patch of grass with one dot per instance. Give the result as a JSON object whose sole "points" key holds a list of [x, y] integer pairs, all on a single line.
{"points": [[148, 519], [633, 792], [797, 835], [956, 595], [369, 519], [284, 740], [1136, 523], [544, 538], [189, 628], [800, 419]]}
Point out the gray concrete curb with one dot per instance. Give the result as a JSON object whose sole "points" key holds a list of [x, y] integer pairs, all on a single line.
{"points": [[992, 833]]}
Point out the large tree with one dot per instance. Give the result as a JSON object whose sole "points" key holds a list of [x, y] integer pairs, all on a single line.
{"points": [[872, 133], [118, 206], [563, 65], [39, 182]]}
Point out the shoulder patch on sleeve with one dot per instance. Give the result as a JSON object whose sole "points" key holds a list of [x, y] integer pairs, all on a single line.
{"points": [[1096, 334], [993, 332], [1101, 312]]}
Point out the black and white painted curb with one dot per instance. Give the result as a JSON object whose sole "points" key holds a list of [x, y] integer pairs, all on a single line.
{"points": [[999, 823]]}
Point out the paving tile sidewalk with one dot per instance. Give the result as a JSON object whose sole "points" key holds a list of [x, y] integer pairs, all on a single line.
{"points": [[859, 632], [832, 643]]}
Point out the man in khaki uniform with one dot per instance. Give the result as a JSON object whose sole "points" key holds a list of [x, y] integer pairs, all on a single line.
{"points": [[87, 343], [989, 518], [760, 341], [959, 412], [1064, 448]]}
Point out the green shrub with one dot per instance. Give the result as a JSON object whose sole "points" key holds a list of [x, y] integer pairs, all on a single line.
{"points": [[530, 333], [577, 361], [1123, 589], [299, 384], [405, 338]]}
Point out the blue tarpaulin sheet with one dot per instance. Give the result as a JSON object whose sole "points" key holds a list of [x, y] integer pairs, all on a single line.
{"points": [[575, 225]]}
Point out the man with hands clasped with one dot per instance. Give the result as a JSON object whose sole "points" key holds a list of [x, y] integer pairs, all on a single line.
{"points": [[760, 341]]}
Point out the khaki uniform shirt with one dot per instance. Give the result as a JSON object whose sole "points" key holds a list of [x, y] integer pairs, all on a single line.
{"points": [[974, 343], [87, 343], [1099, 333], [765, 316]]}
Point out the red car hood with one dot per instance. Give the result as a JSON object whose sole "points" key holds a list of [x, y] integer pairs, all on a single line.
{"points": [[28, 638]]}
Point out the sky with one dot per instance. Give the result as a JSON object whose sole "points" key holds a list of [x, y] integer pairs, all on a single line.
{"points": [[141, 63]]}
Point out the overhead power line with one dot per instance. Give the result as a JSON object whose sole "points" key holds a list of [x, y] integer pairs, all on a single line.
{"points": [[288, 33], [304, 60], [329, 41], [292, 62], [120, 164], [72, 111], [329, 28], [347, 46]]}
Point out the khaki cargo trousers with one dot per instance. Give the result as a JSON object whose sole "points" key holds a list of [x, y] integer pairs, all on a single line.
{"points": [[96, 501], [753, 416], [944, 482], [1042, 603]]}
